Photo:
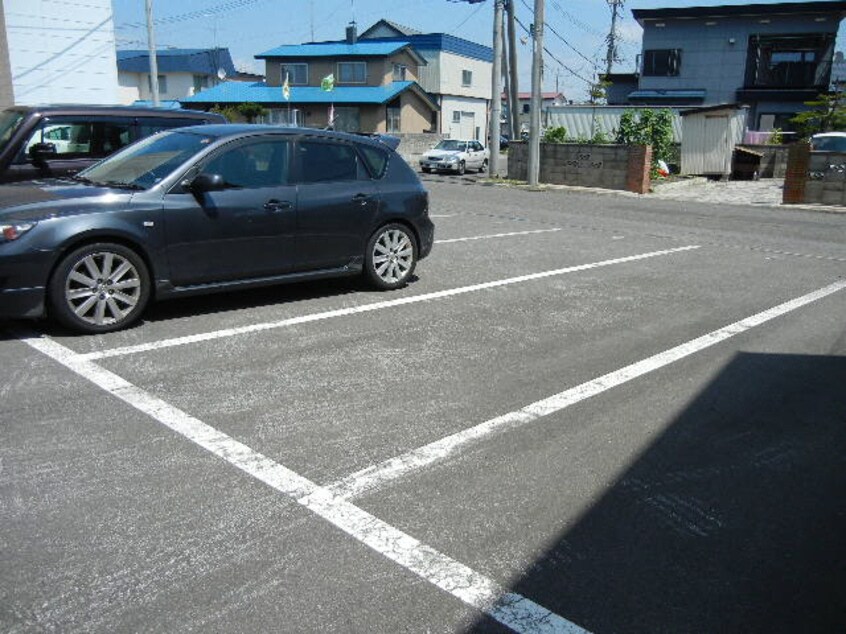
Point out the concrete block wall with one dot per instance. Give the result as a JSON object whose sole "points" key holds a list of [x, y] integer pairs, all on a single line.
{"points": [[607, 166], [817, 178], [774, 161], [412, 146]]}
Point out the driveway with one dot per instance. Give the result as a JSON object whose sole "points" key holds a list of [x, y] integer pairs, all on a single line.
{"points": [[587, 413], [762, 192]]}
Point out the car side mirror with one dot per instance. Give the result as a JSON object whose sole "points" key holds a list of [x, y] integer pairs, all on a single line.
{"points": [[42, 151], [203, 183]]}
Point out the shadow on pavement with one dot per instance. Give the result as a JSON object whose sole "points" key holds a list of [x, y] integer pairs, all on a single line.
{"points": [[734, 520]]}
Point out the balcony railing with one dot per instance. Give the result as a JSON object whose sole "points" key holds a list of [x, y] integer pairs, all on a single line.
{"points": [[790, 75]]}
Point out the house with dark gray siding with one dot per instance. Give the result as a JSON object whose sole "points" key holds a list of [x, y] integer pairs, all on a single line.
{"points": [[771, 57]]}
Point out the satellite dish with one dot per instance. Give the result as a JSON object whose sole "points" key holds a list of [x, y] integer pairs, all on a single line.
{"points": [[221, 74]]}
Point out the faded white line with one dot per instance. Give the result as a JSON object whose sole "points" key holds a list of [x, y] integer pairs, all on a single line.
{"points": [[342, 312], [496, 235], [441, 215], [511, 609], [371, 478]]}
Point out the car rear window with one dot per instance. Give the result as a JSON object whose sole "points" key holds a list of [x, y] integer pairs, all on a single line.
{"points": [[324, 162], [829, 144]]}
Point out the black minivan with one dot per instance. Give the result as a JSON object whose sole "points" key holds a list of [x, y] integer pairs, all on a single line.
{"points": [[49, 141]]}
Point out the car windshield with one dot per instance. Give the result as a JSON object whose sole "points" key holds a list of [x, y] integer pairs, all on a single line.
{"points": [[829, 143], [451, 145], [9, 120], [143, 164]]}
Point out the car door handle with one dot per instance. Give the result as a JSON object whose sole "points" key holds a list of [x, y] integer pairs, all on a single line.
{"points": [[361, 199], [274, 205]]}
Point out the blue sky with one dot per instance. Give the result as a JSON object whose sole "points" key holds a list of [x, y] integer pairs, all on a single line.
{"points": [[248, 27]]}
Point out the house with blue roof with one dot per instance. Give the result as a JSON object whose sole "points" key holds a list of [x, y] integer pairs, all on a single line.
{"points": [[772, 57], [182, 72], [457, 75], [376, 87]]}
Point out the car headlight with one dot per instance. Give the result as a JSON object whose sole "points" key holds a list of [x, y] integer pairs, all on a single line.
{"points": [[14, 230], [452, 159]]}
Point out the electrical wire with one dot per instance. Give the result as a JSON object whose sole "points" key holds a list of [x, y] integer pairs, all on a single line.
{"points": [[560, 37], [554, 58]]}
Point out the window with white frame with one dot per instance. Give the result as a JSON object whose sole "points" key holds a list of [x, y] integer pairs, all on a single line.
{"points": [[352, 72], [297, 74], [467, 78], [456, 116], [394, 119], [400, 72], [200, 82], [162, 83]]}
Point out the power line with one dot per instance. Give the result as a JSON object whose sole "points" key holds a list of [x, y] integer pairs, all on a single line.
{"points": [[226, 7], [554, 58], [561, 37]]}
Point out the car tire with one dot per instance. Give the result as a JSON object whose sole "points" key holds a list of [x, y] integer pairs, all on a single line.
{"points": [[99, 288], [461, 168], [391, 257], [484, 167], [426, 170]]}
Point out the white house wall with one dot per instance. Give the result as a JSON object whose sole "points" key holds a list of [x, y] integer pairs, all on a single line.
{"points": [[468, 109], [451, 67], [61, 52]]}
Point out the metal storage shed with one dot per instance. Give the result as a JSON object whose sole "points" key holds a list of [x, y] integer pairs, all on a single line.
{"points": [[709, 135]]}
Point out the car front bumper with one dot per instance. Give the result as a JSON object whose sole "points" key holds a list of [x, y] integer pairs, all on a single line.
{"points": [[23, 277], [439, 165]]}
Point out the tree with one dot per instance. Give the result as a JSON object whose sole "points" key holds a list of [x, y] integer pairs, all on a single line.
{"points": [[598, 92], [251, 110], [827, 114]]}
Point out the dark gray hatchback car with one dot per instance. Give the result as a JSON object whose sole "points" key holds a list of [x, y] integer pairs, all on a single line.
{"points": [[204, 209]]}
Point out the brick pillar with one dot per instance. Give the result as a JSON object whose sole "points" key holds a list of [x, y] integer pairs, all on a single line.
{"points": [[639, 169], [796, 176]]}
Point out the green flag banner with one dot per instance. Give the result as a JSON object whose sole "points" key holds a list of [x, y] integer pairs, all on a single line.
{"points": [[328, 83]]}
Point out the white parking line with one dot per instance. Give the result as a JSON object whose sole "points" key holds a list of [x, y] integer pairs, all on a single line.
{"points": [[342, 312], [511, 609], [373, 477], [441, 215], [496, 235]]}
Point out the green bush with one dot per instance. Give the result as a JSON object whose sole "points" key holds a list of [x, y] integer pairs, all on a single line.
{"points": [[555, 135], [648, 127]]}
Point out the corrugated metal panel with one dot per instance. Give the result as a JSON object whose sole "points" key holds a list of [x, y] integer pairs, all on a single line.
{"points": [[583, 121], [709, 140]]}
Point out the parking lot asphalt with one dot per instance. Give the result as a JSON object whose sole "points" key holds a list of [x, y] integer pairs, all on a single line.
{"points": [[587, 412]]}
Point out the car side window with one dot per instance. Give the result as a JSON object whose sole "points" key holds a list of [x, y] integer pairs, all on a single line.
{"points": [[78, 138], [325, 162], [377, 160], [253, 165]]}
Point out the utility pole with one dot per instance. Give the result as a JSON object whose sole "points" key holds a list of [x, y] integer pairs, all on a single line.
{"points": [[537, 80], [611, 55], [506, 81], [496, 89], [514, 103], [151, 45]]}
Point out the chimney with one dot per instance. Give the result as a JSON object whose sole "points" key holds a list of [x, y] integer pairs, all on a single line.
{"points": [[352, 33]]}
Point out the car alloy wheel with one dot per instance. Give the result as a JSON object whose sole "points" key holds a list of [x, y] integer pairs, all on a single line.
{"points": [[461, 168], [100, 288], [391, 256]]}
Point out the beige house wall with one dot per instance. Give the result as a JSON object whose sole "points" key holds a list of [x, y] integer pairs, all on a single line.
{"points": [[379, 69], [414, 113]]}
